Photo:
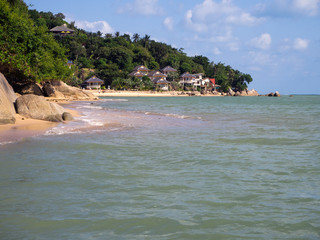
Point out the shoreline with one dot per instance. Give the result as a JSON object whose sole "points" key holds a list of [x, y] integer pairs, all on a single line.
{"points": [[25, 128], [126, 93]]}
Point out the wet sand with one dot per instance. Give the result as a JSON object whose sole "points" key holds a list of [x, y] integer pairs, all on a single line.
{"points": [[26, 127]]}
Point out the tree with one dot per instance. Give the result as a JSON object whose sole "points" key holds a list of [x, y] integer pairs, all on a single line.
{"points": [[27, 51], [136, 37]]}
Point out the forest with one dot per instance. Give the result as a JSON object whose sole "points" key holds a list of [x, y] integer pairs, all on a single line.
{"points": [[29, 52]]}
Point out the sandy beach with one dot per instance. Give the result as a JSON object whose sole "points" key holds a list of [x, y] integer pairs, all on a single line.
{"points": [[113, 93], [26, 127]]}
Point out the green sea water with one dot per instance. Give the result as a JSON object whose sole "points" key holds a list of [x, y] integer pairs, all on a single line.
{"points": [[168, 168]]}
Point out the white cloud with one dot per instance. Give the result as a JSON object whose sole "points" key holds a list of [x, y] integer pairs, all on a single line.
{"points": [[101, 26], [210, 12], [198, 27], [310, 7], [262, 42], [143, 7], [300, 44], [287, 8], [168, 23], [216, 51]]}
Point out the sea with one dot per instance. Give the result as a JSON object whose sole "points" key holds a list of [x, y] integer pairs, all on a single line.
{"points": [[168, 168]]}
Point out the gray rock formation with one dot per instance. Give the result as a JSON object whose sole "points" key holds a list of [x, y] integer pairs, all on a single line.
{"points": [[37, 107], [48, 90], [7, 98], [66, 116], [276, 94], [71, 93], [32, 88]]}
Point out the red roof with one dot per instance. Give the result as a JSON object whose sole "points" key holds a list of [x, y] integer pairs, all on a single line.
{"points": [[213, 80]]}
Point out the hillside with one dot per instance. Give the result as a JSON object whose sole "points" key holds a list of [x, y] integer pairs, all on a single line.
{"points": [[35, 54]]}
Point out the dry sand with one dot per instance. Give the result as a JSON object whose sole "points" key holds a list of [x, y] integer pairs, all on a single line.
{"points": [[112, 93]]}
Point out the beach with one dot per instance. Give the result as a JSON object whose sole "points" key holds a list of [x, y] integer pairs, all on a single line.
{"points": [[126, 93], [25, 128]]}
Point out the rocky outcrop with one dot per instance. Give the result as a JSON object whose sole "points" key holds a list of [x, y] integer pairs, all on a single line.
{"points": [[70, 93], [7, 98], [230, 92], [32, 88], [252, 92], [276, 94], [37, 107], [48, 90]]}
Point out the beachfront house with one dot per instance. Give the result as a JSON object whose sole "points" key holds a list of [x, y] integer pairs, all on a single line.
{"points": [[92, 83], [139, 72], [167, 70], [159, 79], [187, 79], [62, 30]]}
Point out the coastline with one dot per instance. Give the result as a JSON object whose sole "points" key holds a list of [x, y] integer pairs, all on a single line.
{"points": [[25, 128], [126, 93]]}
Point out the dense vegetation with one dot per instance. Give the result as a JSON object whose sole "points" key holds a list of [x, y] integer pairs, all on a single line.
{"points": [[28, 51]]}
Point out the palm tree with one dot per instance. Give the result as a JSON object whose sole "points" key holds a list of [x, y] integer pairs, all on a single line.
{"points": [[136, 37], [146, 41]]}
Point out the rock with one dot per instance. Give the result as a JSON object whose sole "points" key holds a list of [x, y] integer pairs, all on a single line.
{"points": [[72, 93], [37, 107], [66, 116], [276, 94], [7, 112], [231, 92], [252, 92], [7, 98], [7, 88], [48, 90], [32, 88], [270, 94]]}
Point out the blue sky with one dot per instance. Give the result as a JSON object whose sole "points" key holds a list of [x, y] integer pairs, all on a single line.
{"points": [[276, 41]]}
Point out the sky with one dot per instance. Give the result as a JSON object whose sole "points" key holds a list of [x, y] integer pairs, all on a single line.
{"points": [[276, 41]]}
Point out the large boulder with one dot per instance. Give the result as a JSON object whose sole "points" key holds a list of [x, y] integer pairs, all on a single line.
{"points": [[276, 94], [72, 93], [7, 98], [231, 92], [37, 107], [48, 90], [32, 88], [252, 92]]}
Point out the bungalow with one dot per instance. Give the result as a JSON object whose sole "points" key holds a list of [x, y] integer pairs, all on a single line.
{"points": [[159, 79], [92, 83], [62, 30], [168, 69], [139, 71]]}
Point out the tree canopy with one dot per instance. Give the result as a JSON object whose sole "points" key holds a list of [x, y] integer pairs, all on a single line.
{"points": [[27, 51], [30, 52]]}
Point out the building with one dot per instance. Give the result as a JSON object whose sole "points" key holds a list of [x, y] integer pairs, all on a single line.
{"points": [[139, 71], [167, 70], [62, 30], [187, 79], [92, 83], [159, 79]]}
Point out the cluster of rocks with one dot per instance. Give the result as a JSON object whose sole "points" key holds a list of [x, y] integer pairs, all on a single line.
{"points": [[33, 104], [276, 94], [57, 90], [245, 92], [252, 92]]}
